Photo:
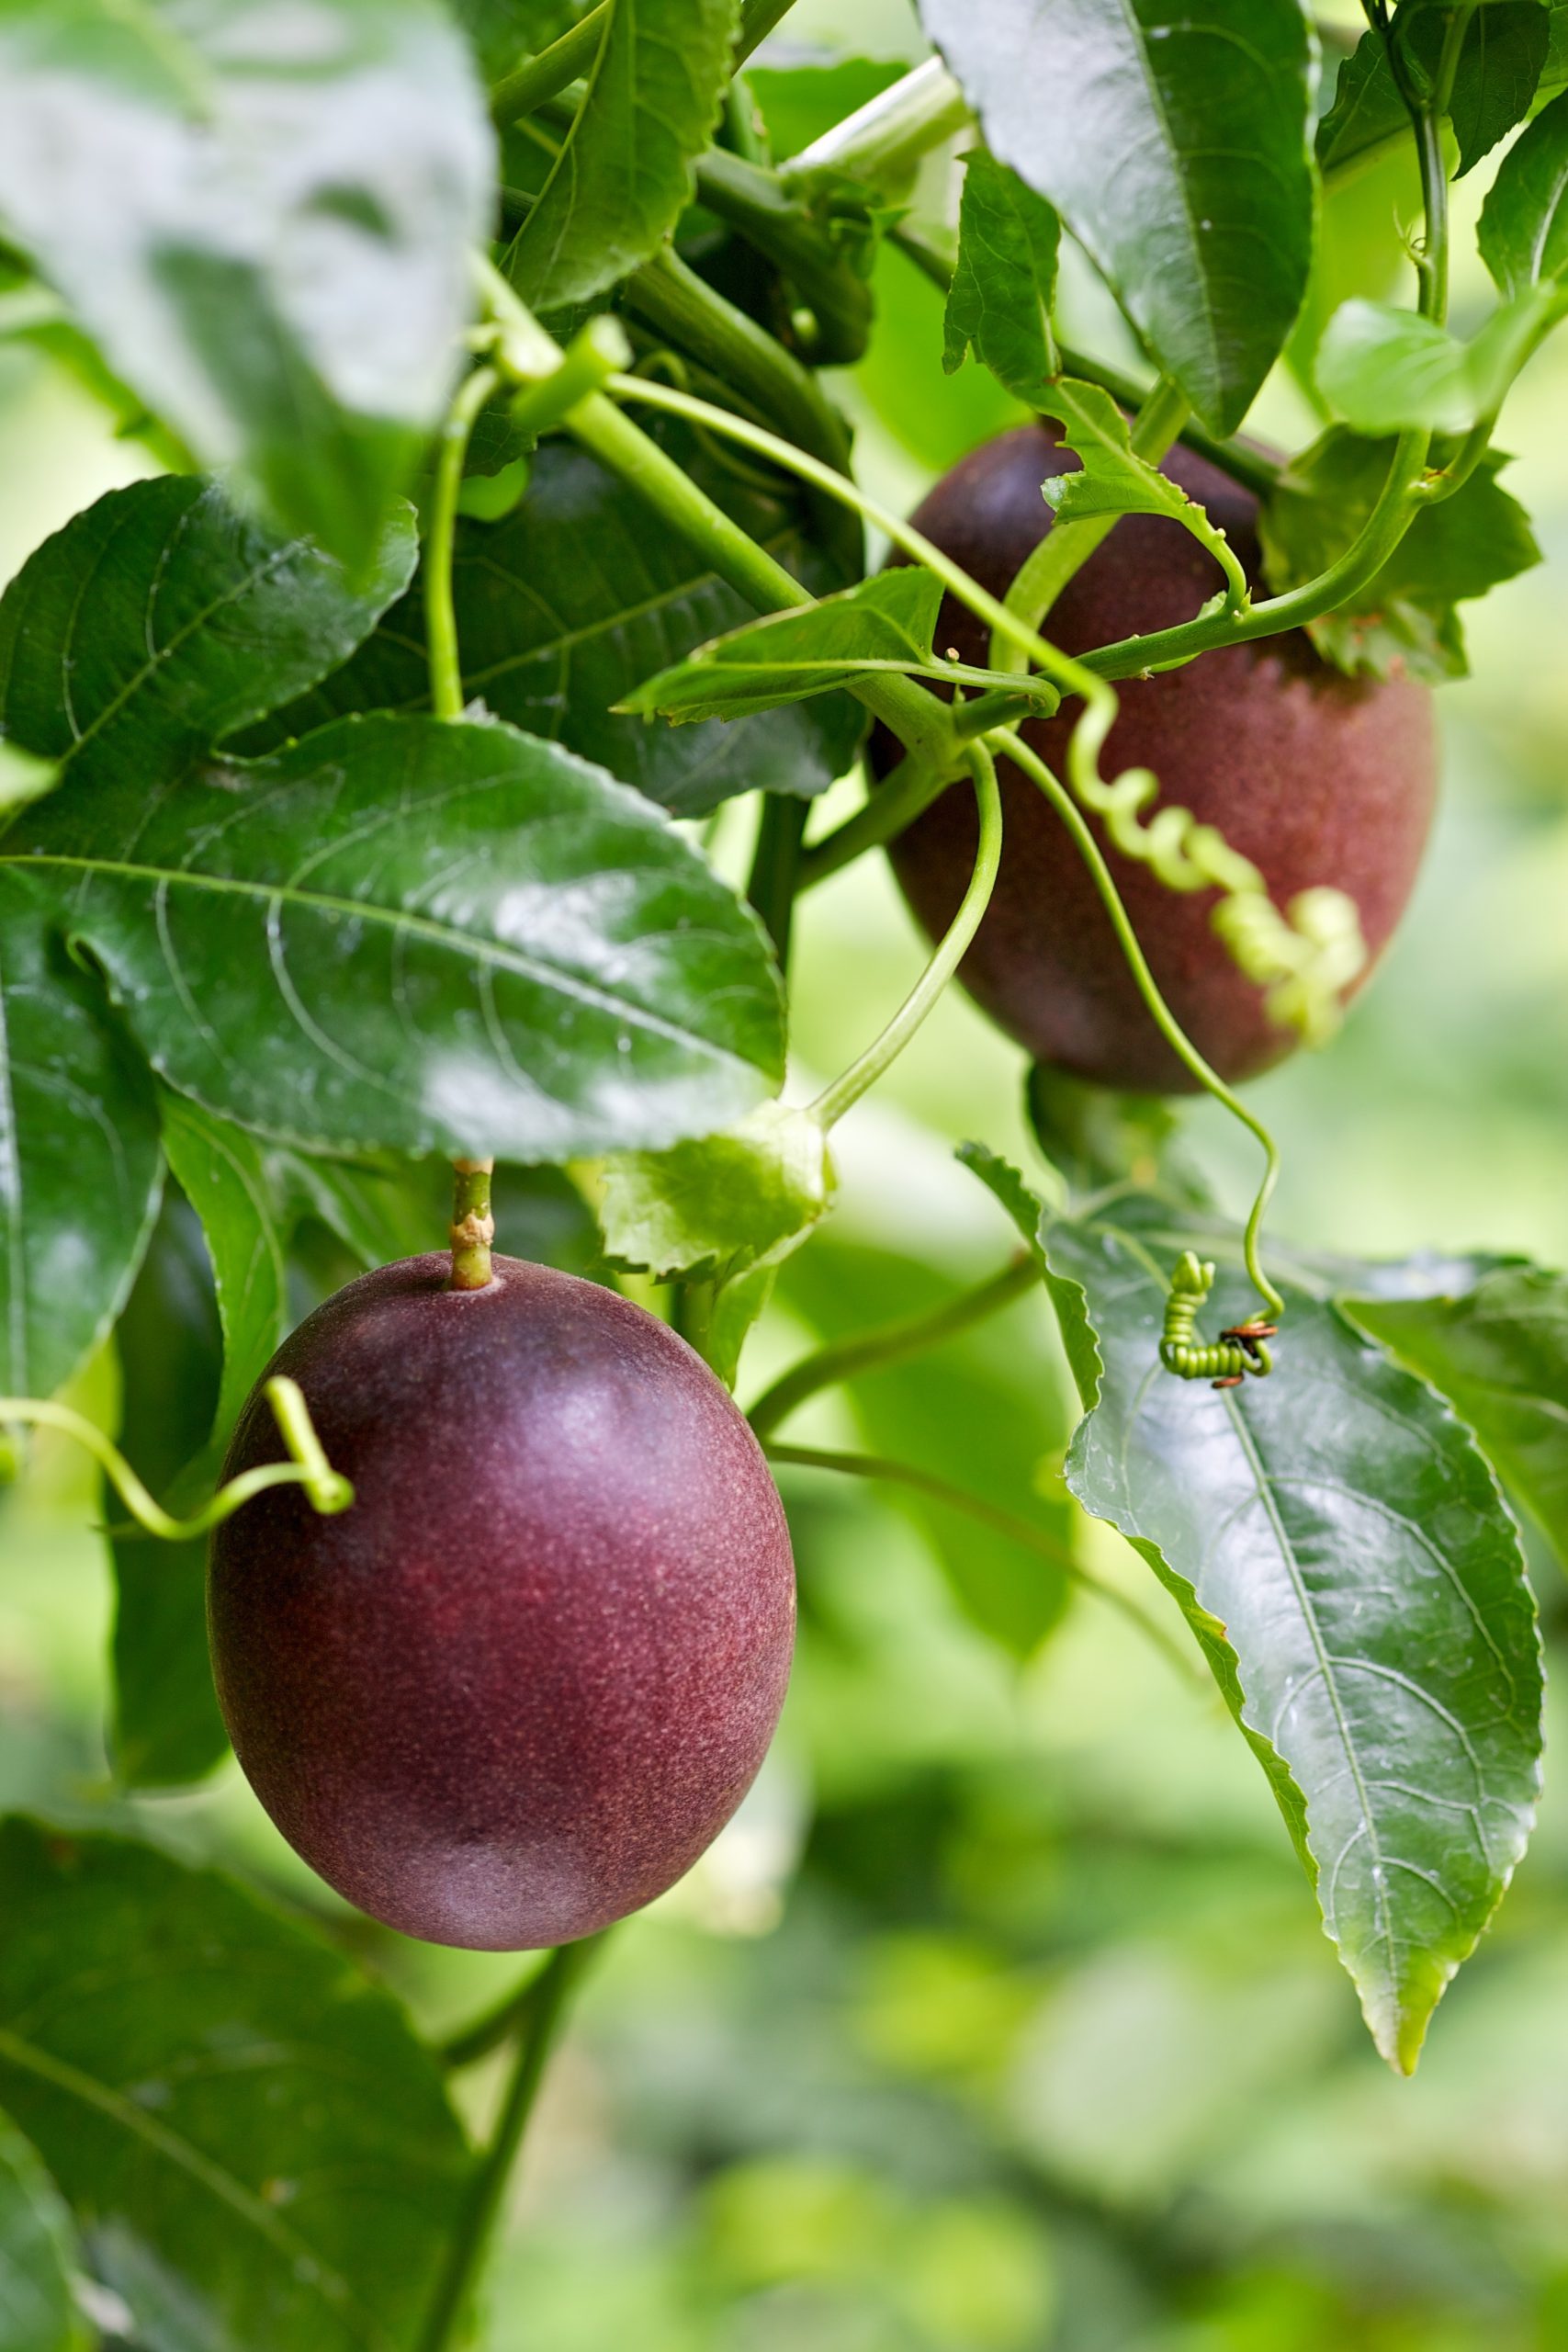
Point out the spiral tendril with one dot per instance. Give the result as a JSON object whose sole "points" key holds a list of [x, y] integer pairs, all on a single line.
{"points": [[1224, 1363]]}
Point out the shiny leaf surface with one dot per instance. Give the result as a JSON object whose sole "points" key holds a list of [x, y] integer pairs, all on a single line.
{"points": [[1004, 282], [884, 624]]}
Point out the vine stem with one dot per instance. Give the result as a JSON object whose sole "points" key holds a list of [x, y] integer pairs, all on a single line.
{"points": [[326, 1490], [1089, 849], [440, 617], [868, 1351], [544, 76], [846, 1091], [1023, 1532], [886, 138], [554, 1985]]}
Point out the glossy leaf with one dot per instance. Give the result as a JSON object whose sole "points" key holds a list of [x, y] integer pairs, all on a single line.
{"points": [[884, 624], [160, 619], [264, 217], [223, 1174], [1499, 1353], [79, 1158], [1204, 222], [624, 175], [243, 2122], [1404, 621], [576, 598], [1341, 1553], [1004, 281], [1523, 233], [38, 2254], [166, 1727], [721, 1204], [1382, 369], [1500, 67], [405, 934]]}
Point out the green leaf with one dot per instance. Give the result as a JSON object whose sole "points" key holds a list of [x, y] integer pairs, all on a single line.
{"points": [[717, 1207], [574, 599], [38, 2254], [407, 935], [1114, 479], [1500, 67], [1523, 233], [503, 33], [79, 1158], [222, 1172], [265, 220], [883, 624], [165, 1728], [239, 2118], [1403, 622], [800, 102], [1004, 281], [624, 175], [160, 619], [1353, 1579], [983, 1411], [1383, 369], [1499, 1353], [1174, 145]]}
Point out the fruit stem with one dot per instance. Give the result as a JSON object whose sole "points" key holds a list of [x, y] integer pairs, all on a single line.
{"points": [[440, 615], [842, 1360], [308, 1466], [473, 1225], [846, 1090], [553, 1989], [1021, 1532]]}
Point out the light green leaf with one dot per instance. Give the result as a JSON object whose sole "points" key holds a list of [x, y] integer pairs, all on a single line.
{"points": [[718, 1206], [244, 2121], [1114, 480], [1004, 282], [38, 2254], [1383, 369], [800, 102], [1172, 140], [265, 216], [223, 1175], [624, 175], [1523, 233]]}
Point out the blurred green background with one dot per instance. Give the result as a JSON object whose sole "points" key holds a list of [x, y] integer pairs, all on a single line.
{"points": [[1000, 2019]]}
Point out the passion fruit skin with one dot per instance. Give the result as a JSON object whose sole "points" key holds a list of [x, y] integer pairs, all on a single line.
{"points": [[1314, 777], [515, 1689]]}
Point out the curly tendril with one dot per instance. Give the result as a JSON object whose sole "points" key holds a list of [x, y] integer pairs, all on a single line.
{"points": [[327, 1489], [1225, 1362]]}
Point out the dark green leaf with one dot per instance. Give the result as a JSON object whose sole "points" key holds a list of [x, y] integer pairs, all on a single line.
{"points": [[264, 217], [38, 2254], [419, 937], [800, 102], [577, 598], [884, 624], [79, 1156], [1524, 221], [166, 1727], [624, 175], [238, 2117], [1500, 66], [1403, 622], [1353, 1579], [1004, 281], [1499, 1353], [223, 1174], [161, 619], [1173, 141]]}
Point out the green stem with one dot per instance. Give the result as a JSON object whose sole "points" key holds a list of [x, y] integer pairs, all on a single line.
{"points": [[1170, 1029], [842, 1360], [775, 868], [440, 617], [882, 141], [783, 228], [1021, 1532], [473, 1226], [493, 2026], [308, 1466], [477, 2227], [552, 70], [758, 18], [846, 1091]]}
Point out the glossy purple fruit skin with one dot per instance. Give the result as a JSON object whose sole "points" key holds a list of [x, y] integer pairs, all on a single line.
{"points": [[1315, 777], [515, 1690]]}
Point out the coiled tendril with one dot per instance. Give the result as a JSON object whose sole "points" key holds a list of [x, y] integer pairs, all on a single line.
{"points": [[1240, 1350]]}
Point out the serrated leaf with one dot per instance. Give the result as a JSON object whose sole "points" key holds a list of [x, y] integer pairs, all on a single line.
{"points": [[161, 619], [240, 2115], [624, 174], [1112, 478], [883, 624], [409, 935], [1498, 1352], [1500, 67], [1403, 622], [1339, 1546], [577, 598], [1202, 223], [1382, 369], [80, 1164], [1523, 232], [721, 1204], [165, 1727], [1004, 281], [222, 1172], [264, 217], [38, 2254]]}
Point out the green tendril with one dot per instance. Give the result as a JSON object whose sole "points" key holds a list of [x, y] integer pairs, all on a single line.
{"points": [[1242, 1350], [326, 1490]]}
